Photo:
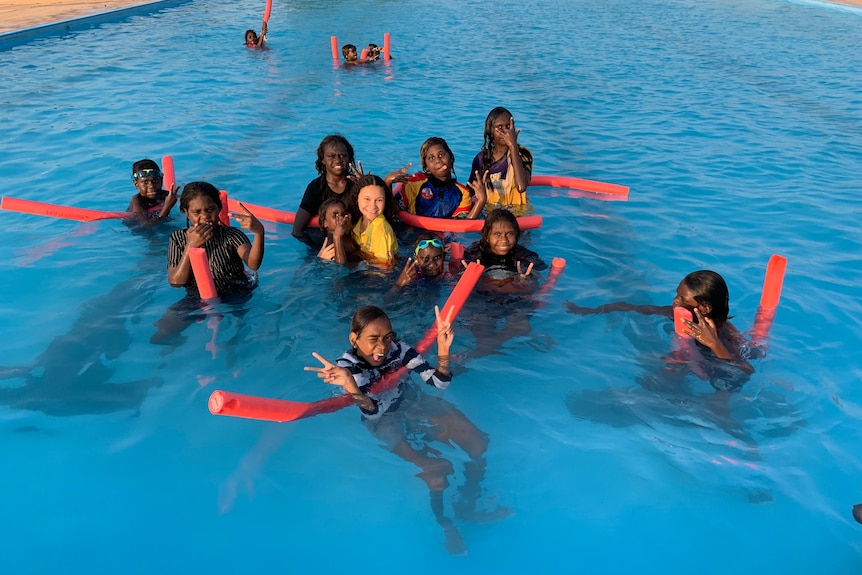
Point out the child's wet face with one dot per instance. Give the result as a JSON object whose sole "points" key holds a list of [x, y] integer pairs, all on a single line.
{"points": [[250, 37], [351, 55], [202, 210], [333, 214], [374, 342], [438, 162], [685, 298], [148, 187], [335, 159], [371, 201], [498, 128], [502, 238], [430, 261]]}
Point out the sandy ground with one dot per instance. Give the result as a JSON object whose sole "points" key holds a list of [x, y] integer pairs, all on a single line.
{"points": [[21, 14]]}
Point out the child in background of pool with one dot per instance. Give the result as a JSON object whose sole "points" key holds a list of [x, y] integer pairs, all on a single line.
{"points": [[704, 293], [228, 249], [403, 416], [435, 191], [338, 243], [333, 164], [151, 204], [373, 53], [350, 57], [252, 40], [373, 232], [508, 164]]}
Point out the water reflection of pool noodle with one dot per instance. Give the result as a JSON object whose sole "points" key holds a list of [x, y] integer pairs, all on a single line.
{"points": [[203, 273], [460, 226], [279, 410]]}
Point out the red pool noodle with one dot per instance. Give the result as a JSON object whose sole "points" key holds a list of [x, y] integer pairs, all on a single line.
{"points": [[461, 226], [224, 214], [769, 298], [203, 274], [456, 251], [364, 54], [679, 314], [170, 177], [279, 410], [57, 211], [333, 41], [579, 184], [269, 214], [267, 10], [387, 46]]}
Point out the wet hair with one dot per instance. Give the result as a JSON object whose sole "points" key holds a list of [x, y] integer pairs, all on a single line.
{"points": [[709, 288], [364, 316], [324, 207], [194, 190], [435, 141], [389, 208], [330, 140], [346, 48], [498, 215], [373, 51], [493, 115], [145, 164], [245, 38]]}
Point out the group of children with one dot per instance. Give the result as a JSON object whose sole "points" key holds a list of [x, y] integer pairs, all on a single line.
{"points": [[352, 57]]}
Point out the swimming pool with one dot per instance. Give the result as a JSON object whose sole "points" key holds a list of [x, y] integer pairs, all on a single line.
{"points": [[736, 124]]}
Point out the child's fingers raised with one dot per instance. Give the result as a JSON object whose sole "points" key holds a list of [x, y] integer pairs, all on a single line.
{"points": [[323, 360]]}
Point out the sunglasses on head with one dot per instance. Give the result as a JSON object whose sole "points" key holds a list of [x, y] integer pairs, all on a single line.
{"points": [[435, 243], [147, 174]]}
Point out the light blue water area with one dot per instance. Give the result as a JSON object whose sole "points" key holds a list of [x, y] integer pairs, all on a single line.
{"points": [[737, 127]]}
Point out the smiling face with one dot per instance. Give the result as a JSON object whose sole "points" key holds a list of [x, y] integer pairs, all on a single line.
{"points": [[438, 162], [251, 37], [430, 261], [502, 238], [374, 342], [149, 187], [371, 201], [202, 210], [335, 159]]}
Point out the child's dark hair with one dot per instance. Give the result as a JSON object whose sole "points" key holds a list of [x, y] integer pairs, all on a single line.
{"points": [[389, 208], [498, 215], [346, 48], [709, 288], [493, 115], [324, 207], [328, 141], [194, 190], [364, 316], [435, 141], [145, 164]]}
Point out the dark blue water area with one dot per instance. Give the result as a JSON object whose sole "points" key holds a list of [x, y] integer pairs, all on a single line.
{"points": [[736, 126]]}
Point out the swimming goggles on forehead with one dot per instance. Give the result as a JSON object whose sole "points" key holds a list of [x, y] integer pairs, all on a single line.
{"points": [[148, 174], [435, 243]]}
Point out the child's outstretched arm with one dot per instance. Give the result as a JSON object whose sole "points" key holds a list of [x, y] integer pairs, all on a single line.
{"points": [[445, 336], [664, 310], [337, 375], [252, 256]]}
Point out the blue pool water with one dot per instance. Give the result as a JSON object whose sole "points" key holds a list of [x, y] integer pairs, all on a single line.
{"points": [[737, 126]]}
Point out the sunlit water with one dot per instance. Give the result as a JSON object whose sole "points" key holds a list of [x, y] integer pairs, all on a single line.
{"points": [[737, 126]]}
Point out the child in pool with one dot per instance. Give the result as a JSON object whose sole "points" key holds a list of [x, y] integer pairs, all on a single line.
{"points": [[704, 293], [350, 55], [228, 249], [435, 191], [373, 53], [427, 260], [252, 40], [333, 164], [403, 416], [508, 164], [373, 232], [504, 258], [338, 243], [151, 204]]}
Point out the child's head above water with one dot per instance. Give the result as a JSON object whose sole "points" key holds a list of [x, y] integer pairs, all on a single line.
{"points": [[251, 38], [707, 291], [330, 211], [428, 254], [147, 177], [349, 52], [437, 158], [334, 155], [373, 52], [373, 198], [200, 202], [371, 334], [500, 233], [496, 118]]}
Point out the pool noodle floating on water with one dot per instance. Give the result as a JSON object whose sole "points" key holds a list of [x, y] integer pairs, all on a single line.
{"points": [[57, 211], [202, 272], [387, 46], [333, 43], [280, 410], [462, 226], [579, 184], [269, 214]]}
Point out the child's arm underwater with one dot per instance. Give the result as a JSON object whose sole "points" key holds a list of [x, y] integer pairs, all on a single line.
{"points": [[664, 310]]}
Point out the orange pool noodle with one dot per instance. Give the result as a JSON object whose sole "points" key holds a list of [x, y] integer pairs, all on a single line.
{"points": [[387, 46], [579, 184], [57, 211], [456, 251], [679, 314], [773, 281], [224, 214], [203, 274], [170, 177], [333, 41], [267, 10]]}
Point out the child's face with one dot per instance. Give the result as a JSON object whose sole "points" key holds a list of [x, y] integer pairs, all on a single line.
{"points": [[430, 261], [350, 55], [685, 298], [250, 37], [374, 342], [335, 159], [438, 162], [149, 187], [202, 210], [371, 201], [330, 220], [501, 239], [500, 124]]}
